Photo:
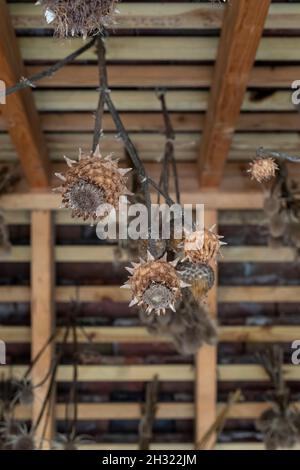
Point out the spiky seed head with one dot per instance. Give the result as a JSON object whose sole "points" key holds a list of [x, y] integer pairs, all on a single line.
{"points": [[279, 428], [78, 17], [90, 183], [155, 285], [202, 246], [263, 169], [25, 442], [200, 276]]}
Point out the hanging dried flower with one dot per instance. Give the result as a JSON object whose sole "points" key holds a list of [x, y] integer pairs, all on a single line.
{"points": [[280, 428], [189, 327], [21, 439], [155, 284], [200, 276], [263, 169], [66, 442], [91, 183], [202, 246], [25, 393], [78, 17]]}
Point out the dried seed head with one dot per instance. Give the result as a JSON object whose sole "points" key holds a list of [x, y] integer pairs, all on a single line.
{"points": [[92, 184], [202, 246], [78, 17], [155, 285], [196, 326], [189, 327], [24, 443], [263, 169], [200, 276], [279, 428], [20, 438]]}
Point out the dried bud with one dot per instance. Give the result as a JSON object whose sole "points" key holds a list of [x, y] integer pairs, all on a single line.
{"points": [[263, 169]]}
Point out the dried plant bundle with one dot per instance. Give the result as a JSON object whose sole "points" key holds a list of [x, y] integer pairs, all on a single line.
{"points": [[78, 17]]}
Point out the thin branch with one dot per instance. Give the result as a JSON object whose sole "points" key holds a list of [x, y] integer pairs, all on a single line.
{"points": [[29, 82], [169, 147], [264, 153], [144, 180], [218, 425], [148, 415], [52, 382], [103, 84]]}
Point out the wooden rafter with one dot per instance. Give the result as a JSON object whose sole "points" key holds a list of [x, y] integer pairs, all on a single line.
{"points": [[42, 318], [241, 32], [20, 112]]}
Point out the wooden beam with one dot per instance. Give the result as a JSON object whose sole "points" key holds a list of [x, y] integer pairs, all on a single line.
{"points": [[106, 254], [42, 316], [206, 366], [125, 410], [166, 372], [243, 25], [230, 294], [19, 111], [139, 335]]}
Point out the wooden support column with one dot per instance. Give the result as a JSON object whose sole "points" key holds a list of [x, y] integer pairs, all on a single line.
{"points": [[242, 28], [206, 364], [19, 112], [42, 314]]}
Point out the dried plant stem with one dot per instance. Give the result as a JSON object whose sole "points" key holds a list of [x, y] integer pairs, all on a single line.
{"points": [[52, 380], [264, 153], [169, 154], [148, 415], [101, 103], [144, 179], [29, 82], [74, 397], [218, 425]]}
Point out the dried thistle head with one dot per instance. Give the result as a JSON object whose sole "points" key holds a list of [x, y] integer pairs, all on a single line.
{"points": [[192, 326], [25, 393], [200, 276], [155, 284], [21, 438], [78, 17], [202, 246], [263, 169], [279, 427], [70, 442], [189, 327], [92, 186]]}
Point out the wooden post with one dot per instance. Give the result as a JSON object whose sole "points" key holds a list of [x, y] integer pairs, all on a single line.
{"points": [[42, 315], [19, 112], [206, 364]]}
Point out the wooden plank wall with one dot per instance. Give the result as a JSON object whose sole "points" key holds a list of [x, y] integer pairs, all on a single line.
{"points": [[258, 303]]}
